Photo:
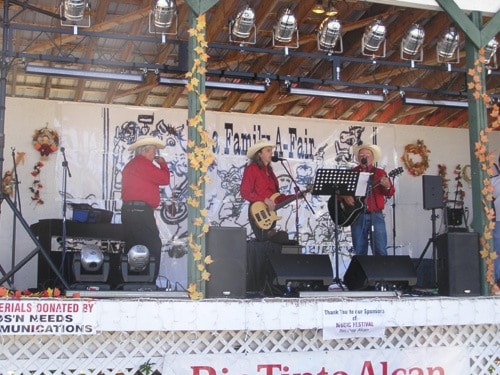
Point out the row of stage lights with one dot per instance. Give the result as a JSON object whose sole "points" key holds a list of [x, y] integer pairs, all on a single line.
{"points": [[285, 32], [329, 36]]}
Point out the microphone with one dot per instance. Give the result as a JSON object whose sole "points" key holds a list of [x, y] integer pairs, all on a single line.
{"points": [[276, 158], [62, 150], [364, 161]]}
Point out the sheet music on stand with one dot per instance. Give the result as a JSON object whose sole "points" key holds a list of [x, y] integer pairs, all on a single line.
{"points": [[347, 181]]}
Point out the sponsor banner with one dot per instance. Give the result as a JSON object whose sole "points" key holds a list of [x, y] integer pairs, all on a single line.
{"points": [[442, 361], [354, 320], [37, 317]]}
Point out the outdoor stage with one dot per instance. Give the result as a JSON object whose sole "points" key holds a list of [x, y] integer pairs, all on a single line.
{"points": [[334, 333]]}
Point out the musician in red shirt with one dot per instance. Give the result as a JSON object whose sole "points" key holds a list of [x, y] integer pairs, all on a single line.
{"points": [[369, 227], [259, 184], [141, 180]]}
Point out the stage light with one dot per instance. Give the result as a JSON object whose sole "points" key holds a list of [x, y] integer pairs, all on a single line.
{"points": [[74, 9], [243, 26], [437, 103], [246, 87], [318, 8], [138, 258], [490, 57], [138, 269], [90, 268], [412, 42], [92, 258], [373, 38], [447, 46], [72, 14], [329, 33], [337, 94], [331, 10], [75, 73], [164, 13], [286, 27]]}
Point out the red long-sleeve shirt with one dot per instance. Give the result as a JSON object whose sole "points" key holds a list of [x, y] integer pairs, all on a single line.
{"points": [[141, 180], [259, 183], [376, 200]]}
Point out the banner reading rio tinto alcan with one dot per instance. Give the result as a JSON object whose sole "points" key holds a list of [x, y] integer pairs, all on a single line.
{"points": [[418, 361]]}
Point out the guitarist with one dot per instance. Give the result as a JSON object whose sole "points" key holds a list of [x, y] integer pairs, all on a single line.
{"points": [[258, 184], [370, 224]]}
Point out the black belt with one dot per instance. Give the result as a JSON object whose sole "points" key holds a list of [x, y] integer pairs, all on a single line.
{"points": [[373, 212], [135, 203]]}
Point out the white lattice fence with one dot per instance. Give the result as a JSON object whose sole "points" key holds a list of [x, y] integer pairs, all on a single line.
{"points": [[125, 352]]}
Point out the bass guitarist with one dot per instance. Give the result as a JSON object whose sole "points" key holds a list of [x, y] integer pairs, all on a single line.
{"points": [[260, 185], [369, 226]]}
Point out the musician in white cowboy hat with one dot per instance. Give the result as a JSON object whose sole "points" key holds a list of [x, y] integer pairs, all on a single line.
{"points": [[369, 226], [260, 185], [141, 180]]}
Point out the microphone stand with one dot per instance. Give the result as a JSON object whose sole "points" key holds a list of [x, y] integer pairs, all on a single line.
{"points": [[66, 174], [394, 246], [297, 190]]}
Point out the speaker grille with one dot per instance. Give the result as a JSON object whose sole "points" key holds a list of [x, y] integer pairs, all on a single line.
{"points": [[227, 247], [458, 264]]}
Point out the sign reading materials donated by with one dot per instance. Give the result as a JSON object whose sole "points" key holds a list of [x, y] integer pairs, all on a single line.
{"points": [[354, 321], [436, 361], [47, 317]]}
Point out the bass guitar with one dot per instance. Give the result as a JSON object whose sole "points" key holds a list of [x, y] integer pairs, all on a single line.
{"points": [[346, 214], [263, 217]]}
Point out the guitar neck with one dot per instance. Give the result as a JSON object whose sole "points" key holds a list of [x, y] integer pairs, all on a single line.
{"points": [[285, 202]]}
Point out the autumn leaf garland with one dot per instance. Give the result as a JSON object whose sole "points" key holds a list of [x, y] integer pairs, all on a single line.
{"points": [[200, 154], [486, 161]]}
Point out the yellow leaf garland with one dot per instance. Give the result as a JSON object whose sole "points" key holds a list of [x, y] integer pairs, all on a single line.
{"points": [[200, 156]]}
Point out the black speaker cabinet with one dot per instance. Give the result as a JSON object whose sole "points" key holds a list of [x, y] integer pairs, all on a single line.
{"points": [[227, 247], [432, 188], [371, 272], [458, 264], [301, 268]]}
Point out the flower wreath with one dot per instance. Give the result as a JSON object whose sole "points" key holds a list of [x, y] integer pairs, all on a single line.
{"points": [[416, 168], [45, 141]]}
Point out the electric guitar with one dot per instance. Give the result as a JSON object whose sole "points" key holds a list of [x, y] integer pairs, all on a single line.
{"points": [[346, 214], [263, 217]]}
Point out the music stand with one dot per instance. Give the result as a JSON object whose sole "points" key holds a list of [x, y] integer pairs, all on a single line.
{"points": [[335, 182]]}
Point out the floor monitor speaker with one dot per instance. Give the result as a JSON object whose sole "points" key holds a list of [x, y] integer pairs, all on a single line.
{"points": [[380, 272], [227, 247], [301, 268], [458, 264]]}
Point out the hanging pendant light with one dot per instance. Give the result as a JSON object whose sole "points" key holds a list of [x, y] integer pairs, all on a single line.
{"points": [[318, 8], [331, 10]]}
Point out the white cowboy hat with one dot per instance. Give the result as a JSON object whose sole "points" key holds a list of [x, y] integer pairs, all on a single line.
{"points": [[375, 150], [259, 146], [146, 140]]}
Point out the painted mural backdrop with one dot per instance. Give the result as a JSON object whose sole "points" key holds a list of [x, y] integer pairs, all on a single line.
{"points": [[304, 147]]}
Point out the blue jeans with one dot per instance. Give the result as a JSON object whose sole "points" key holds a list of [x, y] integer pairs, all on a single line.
{"points": [[360, 231], [496, 245]]}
